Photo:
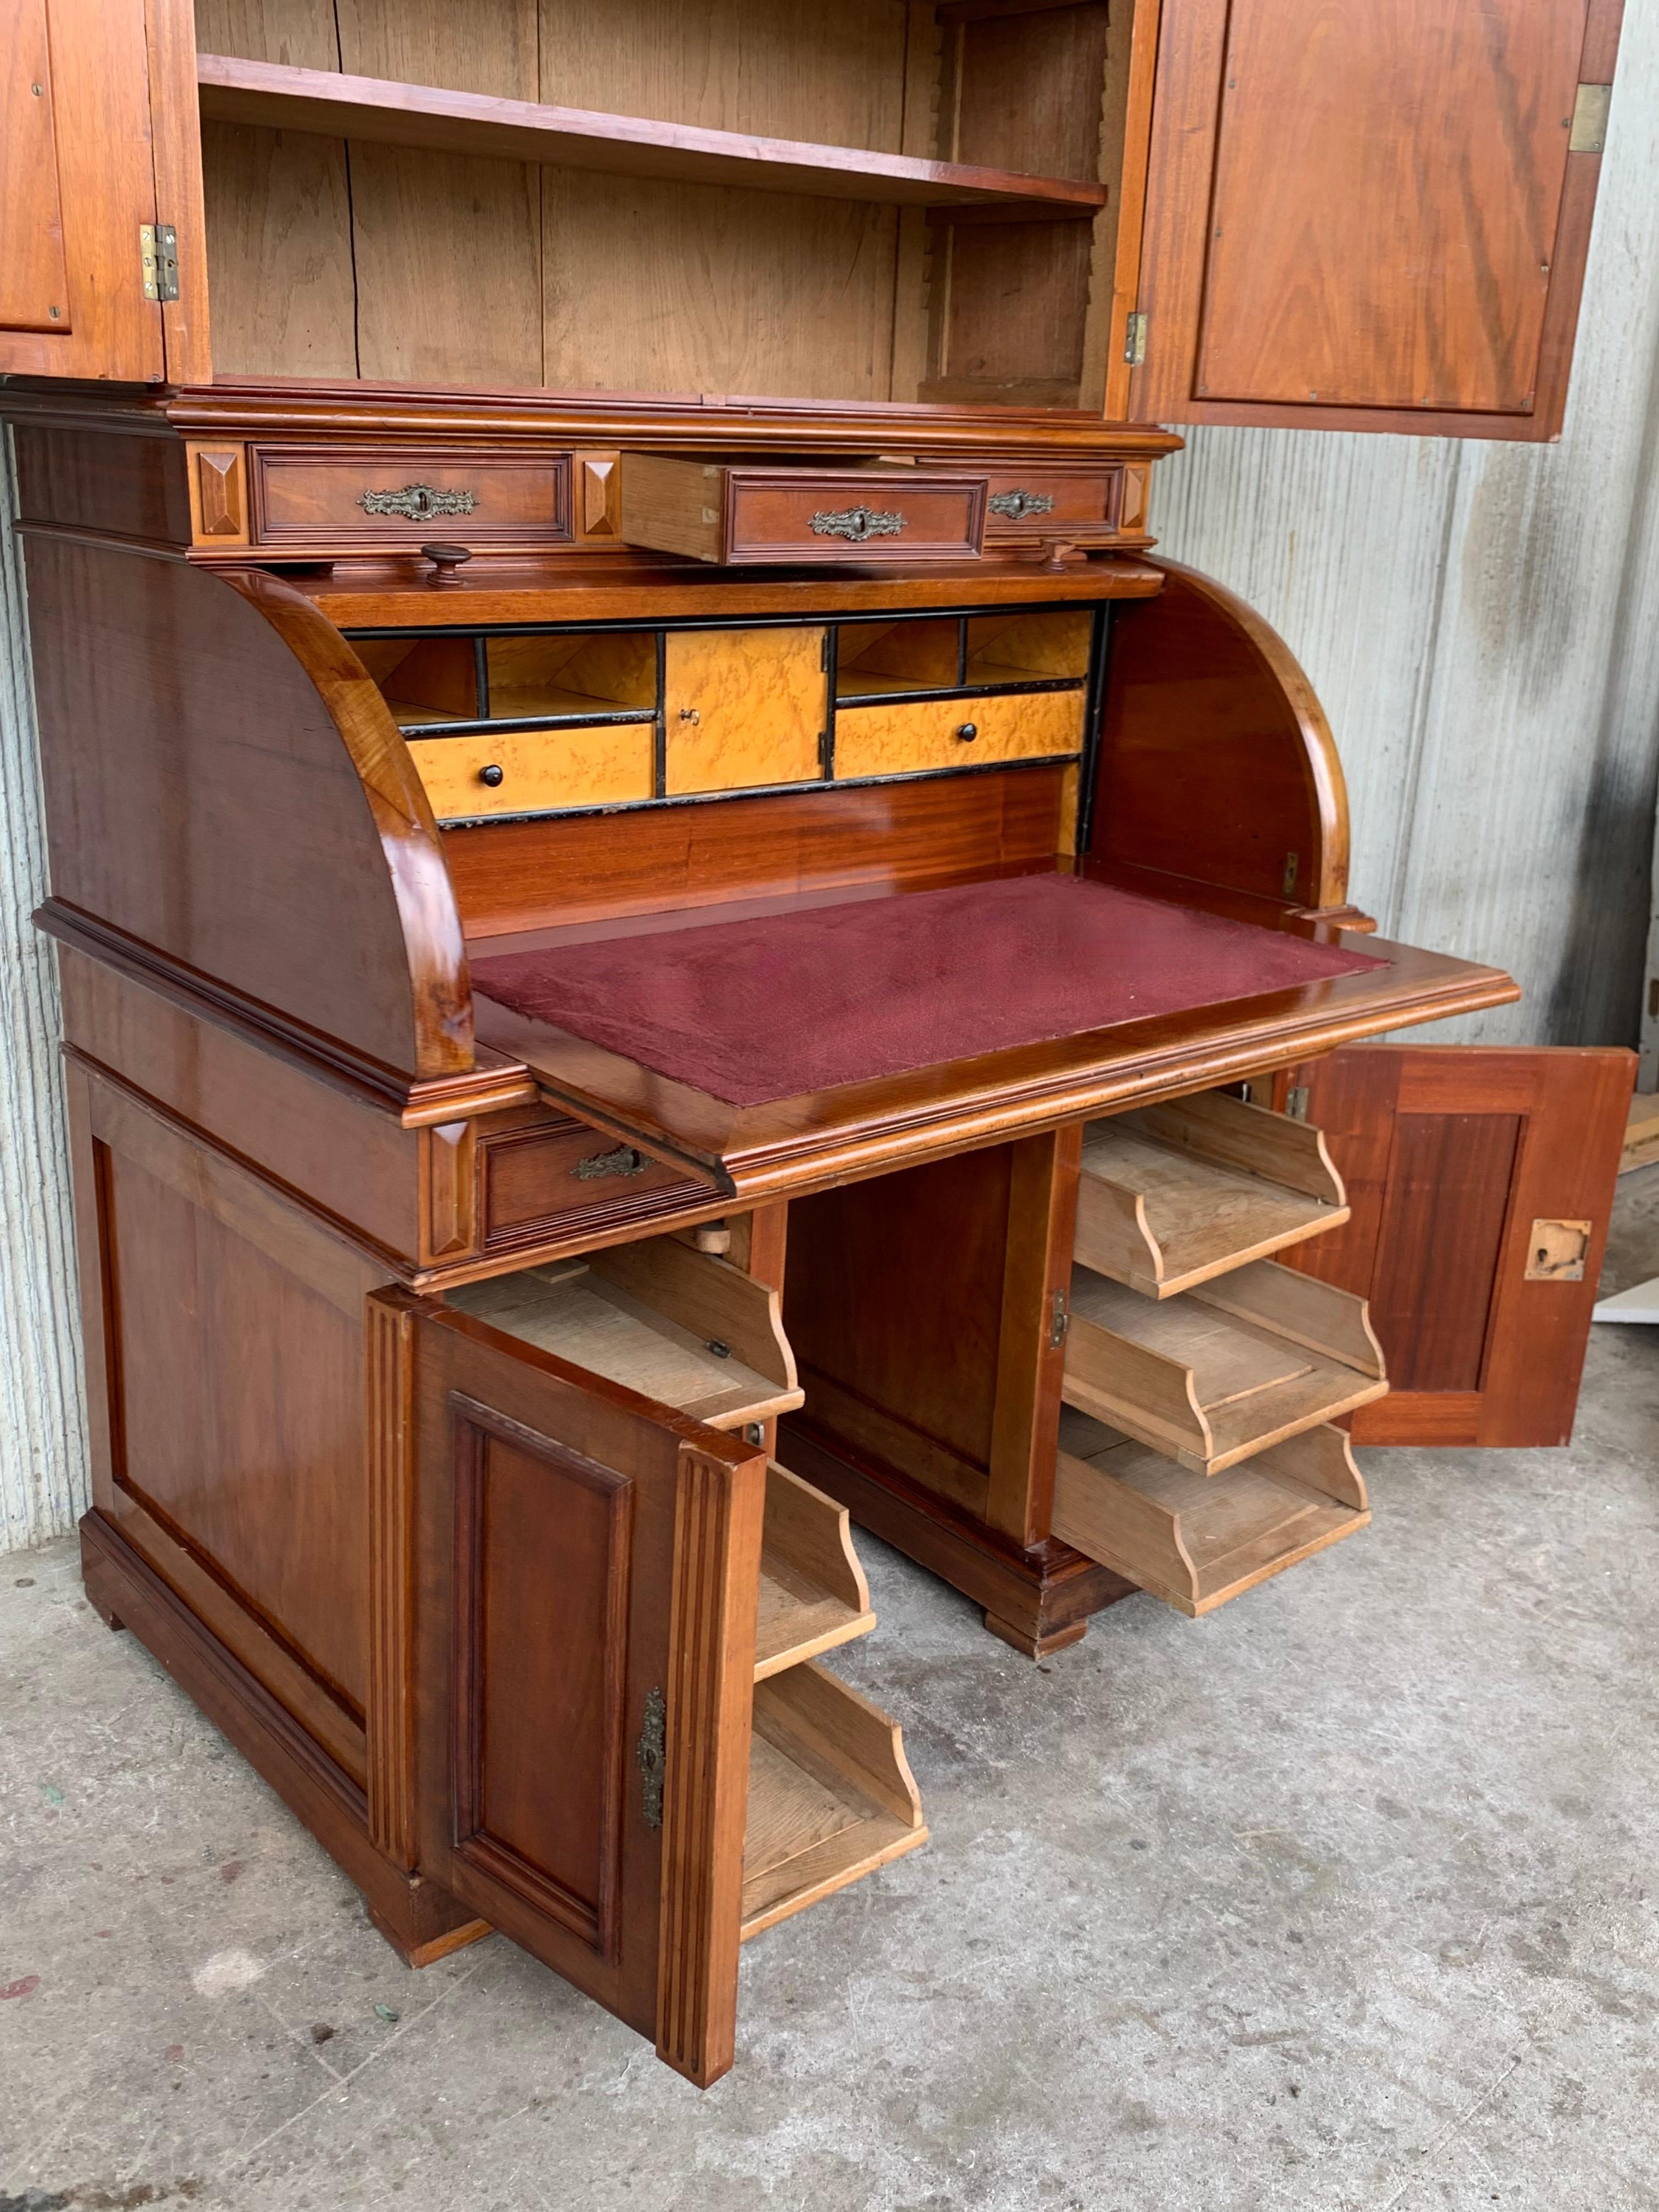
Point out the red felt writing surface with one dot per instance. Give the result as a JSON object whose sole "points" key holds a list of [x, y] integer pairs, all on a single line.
{"points": [[768, 1008]]}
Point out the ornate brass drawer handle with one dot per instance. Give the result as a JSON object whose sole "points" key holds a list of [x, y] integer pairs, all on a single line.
{"points": [[1017, 505], [857, 523], [418, 502], [625, 1161]]}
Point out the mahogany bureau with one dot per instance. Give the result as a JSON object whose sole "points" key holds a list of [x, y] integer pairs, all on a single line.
{"points": [[642, 968]]}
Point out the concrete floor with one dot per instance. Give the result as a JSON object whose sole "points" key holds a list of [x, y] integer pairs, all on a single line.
{"points": [[1342, 1898]]}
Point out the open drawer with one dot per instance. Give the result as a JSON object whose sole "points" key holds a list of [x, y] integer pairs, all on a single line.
{"points": [[830, 1795], [1235, 1365], [612, 1735], [676, 1325], [725, 511], [1196, 1543], [1172, 1196]]}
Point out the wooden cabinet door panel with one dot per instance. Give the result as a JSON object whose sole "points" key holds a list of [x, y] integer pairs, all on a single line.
{"points": [[1368, 216], [588, 1565], [1480, 1184], [78, 179]]}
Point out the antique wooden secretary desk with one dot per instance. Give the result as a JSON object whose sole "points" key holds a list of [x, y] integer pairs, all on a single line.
{"points": [[642, 967]]}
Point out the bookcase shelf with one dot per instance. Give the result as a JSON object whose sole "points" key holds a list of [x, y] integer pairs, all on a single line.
{"points": [[279, 97]]}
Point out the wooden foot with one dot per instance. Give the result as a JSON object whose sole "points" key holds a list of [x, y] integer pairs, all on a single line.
{"points": [[413, 1941], [1033, 1645], [109, 1619]]}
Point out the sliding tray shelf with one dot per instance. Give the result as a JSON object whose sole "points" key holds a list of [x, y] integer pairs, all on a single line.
{"points": [[813, 1594], [1233, 1366], [830, 1795], [674, 1324], [1196, 1543], [1173, 1195]]}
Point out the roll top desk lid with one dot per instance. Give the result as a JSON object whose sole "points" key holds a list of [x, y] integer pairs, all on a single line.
{"points": [[807, 1043]]}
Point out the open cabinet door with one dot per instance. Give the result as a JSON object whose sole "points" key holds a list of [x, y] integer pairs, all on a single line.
{"points": [[1480, 1182], [587, 1572], [1372, 216], [82, 167]]}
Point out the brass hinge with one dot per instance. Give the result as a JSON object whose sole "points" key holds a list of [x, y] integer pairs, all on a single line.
{"points": [[1059, 1321], [1134, 340], [1588, 130], [158, 260], [1296, 1102]]}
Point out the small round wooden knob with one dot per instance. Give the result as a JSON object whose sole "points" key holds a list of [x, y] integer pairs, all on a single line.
{"points": [[968, 733], [446, 559], [492, 776]]}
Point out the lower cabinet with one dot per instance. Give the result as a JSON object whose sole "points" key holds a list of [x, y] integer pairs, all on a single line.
{"points": [[626, 1753]]}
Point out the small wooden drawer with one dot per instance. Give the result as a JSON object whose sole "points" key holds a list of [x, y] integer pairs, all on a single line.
{"points": [[473, 778], [1025, 506], [396, 500], [1193, 1542], [673, 1324], [831, 1796], [1235, 1365], [813, 1594], [719, 511], [906, 739], [552, 1181], [1173, 1195]]}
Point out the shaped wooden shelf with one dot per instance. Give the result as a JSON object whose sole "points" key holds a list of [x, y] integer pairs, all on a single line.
{"points": [[1235, 1365], [830, 1795], [1194, 1542], [813, 1594], [334, 106], [1173, 1195], [675, 1324]]}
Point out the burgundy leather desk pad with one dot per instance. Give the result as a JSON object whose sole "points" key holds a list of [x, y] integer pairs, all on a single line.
{"points": [[770, 1007]]}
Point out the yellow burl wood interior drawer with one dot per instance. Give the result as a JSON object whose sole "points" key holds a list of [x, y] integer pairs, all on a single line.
{"points": [[1173, 1195], [1235, 1365], [903, 737], [529, 771], [1196, 1542]]}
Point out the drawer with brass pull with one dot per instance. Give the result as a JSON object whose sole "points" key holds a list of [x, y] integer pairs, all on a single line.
{"points": [[905, 737], [719, 511], [549, 1180], [1026, 505], [395, 499]]}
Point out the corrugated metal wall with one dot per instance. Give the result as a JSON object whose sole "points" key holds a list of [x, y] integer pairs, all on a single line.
{"points": [[1481, 621], [43, 1451]]}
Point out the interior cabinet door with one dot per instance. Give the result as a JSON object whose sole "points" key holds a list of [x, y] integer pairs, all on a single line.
{"points": [[78, 176], [1370, 216], [1480, 1180], [587, 1571]]}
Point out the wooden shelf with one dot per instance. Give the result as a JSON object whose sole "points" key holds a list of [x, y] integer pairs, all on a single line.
{"points": [[813, 1594], [1198, 1542], [830, 1795], [331, 105], [1214, 1378], [1173, 1195], [647, 1315]]}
